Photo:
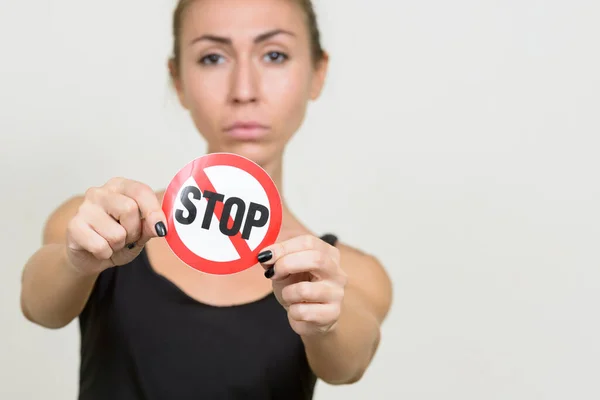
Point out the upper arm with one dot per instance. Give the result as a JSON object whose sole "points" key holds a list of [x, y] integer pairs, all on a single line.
{"points": [[368, 277], [55, 228]]}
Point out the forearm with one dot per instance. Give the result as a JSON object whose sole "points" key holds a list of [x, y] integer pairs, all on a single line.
{"points": [[342, 355], [53, 292]]}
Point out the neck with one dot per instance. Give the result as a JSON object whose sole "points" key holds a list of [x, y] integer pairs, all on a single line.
{"points": [[273, 167], [275, 170]]}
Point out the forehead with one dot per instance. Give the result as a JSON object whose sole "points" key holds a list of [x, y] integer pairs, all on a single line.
{"points": [[241, 18]]}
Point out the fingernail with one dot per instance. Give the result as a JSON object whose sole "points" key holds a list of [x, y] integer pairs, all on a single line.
{"points": [[131, 246], [161, 230], [265, 256], [270, 272]]}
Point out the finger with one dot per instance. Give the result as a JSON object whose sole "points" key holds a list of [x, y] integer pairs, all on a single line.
{"points": [[311, 292], [314, 313], [87, 239], [126, 212], [317, 262], [105, 226], [154, 219], [271, 254]]}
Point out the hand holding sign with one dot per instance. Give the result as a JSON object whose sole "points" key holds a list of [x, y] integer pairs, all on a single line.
{"points": [[113, 224], [308, 282]]}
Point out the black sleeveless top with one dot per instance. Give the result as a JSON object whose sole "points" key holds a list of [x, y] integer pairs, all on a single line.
{"points": [[144, 338]]}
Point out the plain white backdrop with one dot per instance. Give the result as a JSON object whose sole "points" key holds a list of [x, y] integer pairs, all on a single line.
{"points": [[457, 141]]}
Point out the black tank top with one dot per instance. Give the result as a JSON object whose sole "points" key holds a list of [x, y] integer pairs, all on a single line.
{"points": [[144, 338]]}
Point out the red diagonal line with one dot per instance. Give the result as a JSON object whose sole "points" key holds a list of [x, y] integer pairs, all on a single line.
{"points": [[205, 184]]}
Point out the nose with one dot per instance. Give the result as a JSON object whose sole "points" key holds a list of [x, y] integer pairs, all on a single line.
{"points": [[244, 83]]}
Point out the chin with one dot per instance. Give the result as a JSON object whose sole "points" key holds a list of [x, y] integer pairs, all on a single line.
{"points": [[261, 153]]}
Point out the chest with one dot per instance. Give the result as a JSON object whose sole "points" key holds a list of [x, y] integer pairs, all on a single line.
{"points": [[220, 291], [180, 346]]}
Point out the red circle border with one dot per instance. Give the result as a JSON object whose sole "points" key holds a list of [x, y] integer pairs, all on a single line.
{"points": [[227, 267]]}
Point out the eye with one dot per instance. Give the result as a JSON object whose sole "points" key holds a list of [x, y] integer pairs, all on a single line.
{"points": [[276, 57], [211, 59]]}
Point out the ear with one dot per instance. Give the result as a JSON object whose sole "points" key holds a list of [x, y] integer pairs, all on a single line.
{"points": [[176, 80], [319, 76]]}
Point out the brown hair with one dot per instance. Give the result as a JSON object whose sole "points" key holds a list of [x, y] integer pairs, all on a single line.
{"points": [[306, 5]]}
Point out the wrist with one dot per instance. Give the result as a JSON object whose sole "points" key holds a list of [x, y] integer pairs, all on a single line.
{"points": [[321, 338], [73, 270]]}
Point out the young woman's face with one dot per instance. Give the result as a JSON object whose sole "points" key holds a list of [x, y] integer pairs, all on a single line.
{"points": [[246, 74]]}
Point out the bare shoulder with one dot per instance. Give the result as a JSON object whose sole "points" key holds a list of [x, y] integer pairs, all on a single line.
{"points": [[368, 276], [55, 228]]}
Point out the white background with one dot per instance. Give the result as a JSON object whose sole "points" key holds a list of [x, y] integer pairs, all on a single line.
{"points": [[456, 140]]}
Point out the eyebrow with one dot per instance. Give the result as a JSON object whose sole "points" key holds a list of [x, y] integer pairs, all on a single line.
{"points": [[225, 40]]}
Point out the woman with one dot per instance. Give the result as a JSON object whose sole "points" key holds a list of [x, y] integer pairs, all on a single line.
{"points": [[155, 328]]}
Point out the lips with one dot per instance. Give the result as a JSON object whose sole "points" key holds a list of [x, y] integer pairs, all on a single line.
{"points": [[245, 125], [246, 130]]}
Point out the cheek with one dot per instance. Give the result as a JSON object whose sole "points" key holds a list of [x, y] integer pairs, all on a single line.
{"points": [[288, 95], [203, 95]]}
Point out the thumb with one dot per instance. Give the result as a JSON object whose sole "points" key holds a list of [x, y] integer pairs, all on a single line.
{"points": [[155, 225]]}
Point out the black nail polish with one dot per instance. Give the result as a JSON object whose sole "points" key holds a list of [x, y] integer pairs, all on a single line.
{"points": [[265, 256], [161, 230], [131, 246], [270, 272]]}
